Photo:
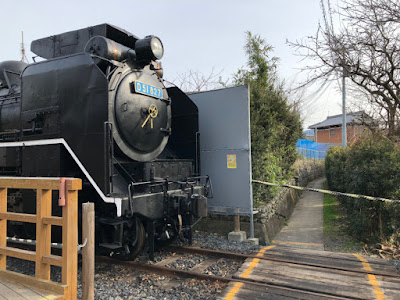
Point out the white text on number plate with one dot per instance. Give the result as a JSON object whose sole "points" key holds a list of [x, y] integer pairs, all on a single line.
{"points": [[147, 89]]}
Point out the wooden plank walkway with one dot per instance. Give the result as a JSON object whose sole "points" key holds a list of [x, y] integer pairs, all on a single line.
{"points": [[12, 291], [302, 279]]}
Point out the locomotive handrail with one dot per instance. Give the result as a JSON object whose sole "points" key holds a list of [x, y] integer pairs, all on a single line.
{"points": [[170, 181], [43, 218]]}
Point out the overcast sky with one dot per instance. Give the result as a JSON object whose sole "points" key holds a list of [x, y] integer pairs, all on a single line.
{"points": [[197, 35]]}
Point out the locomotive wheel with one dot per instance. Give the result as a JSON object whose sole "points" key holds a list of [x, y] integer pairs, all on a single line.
{"points": [[132, 249]]}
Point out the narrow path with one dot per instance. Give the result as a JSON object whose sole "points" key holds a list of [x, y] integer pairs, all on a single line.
{"points": [[300, 267], [305, 226]]}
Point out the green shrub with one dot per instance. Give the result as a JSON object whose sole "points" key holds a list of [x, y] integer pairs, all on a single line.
{"points": [[369, 167], [335, 163], [275, 125]]}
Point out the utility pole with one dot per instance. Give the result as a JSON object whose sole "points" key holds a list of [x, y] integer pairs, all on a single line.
{"points": [[344, 130], [23, 48]]}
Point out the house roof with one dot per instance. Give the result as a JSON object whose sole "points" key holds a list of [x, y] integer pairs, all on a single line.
{"points": [[337, 120], [308, 132]]}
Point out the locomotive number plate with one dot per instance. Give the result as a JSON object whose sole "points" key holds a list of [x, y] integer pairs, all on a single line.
{"points": [[147, 89]]}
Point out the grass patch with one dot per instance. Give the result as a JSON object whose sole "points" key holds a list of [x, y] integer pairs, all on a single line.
{"points": [[336, 233], [331, 213]]}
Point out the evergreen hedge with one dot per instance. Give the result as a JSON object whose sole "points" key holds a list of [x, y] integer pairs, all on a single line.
{"points": [[369, 167], [275, 125]]}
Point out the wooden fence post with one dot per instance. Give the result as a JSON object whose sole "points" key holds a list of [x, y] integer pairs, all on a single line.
{"points": [[237, 223], [3, 226], [88, 251], [43, 233], [70, 243]]}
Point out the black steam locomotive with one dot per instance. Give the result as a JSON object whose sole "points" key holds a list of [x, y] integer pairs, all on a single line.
{"points": [[97, 108]]}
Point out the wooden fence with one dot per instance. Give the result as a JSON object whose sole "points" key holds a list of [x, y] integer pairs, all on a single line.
{"points": [[68, 190]]}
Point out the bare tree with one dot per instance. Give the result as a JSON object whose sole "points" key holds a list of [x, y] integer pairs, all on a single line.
{"points": [[195, 81], [365, 45], [301, 100]]}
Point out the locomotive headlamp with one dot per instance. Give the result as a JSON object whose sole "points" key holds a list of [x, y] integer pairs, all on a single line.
{"points": [[157, 47], [150, 48]]}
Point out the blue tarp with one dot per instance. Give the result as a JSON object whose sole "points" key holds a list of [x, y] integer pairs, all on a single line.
{"points": [[311, 149]]}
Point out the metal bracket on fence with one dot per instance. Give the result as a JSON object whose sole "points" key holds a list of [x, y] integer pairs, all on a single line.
{"points": [[83, 245]]}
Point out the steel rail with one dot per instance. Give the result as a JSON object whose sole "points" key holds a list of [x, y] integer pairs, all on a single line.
{"points": [[161, 270], [268, 256]]}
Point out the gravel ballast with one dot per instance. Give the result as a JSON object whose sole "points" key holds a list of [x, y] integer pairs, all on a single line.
{"points": [[214, 241]]}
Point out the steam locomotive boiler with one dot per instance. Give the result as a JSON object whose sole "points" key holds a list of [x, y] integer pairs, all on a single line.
{"points": [[96, 107]]}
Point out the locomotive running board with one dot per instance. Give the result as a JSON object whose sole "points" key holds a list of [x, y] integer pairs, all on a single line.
{"points": [[115, 200]]}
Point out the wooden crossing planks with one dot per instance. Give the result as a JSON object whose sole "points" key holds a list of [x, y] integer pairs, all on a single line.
{"points": [[326, 283], [252, 292], [292, 252], [316, 280], [335, 260]]}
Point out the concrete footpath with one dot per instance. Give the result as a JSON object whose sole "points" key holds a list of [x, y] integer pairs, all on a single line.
{"points": [[305, 226]]}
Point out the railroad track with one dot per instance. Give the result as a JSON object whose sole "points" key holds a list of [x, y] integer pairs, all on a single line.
{"points": [[267, 256], [285, 272], [211, 257]]}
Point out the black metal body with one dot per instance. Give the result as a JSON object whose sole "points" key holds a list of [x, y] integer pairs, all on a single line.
{"points": [[147, 158]]}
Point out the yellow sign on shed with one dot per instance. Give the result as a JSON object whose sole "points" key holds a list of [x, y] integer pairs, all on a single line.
{"points": [[231, 161]]}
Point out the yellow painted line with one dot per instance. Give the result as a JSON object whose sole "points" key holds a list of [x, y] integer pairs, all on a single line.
{"points": [[378, 292], [248, 271], [262, 251], [235, 289], [297, 243], [360, 258], [372, 279]]}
